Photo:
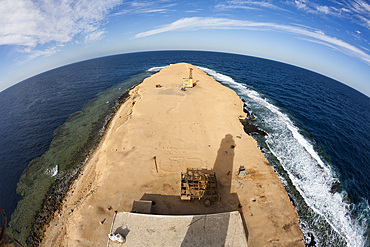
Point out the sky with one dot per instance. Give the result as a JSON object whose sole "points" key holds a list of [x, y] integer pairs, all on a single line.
{"points": [[329, 37]]}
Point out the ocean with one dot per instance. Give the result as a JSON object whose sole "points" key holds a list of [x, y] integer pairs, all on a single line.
{"points": [[318, 132]]}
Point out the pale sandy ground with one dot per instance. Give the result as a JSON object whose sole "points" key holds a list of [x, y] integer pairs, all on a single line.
{"points": [[192, 129]]}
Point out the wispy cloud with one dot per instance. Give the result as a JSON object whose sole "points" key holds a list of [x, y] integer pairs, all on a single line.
{"points": [[301, 4], [316, 8], [46, 52], [247, 5], [193, 11], [223, 7], [94, 36], [359, 6], [28, 24], [196, 23], [365, 22], [33, 53], [357, 11], [145, 7]]}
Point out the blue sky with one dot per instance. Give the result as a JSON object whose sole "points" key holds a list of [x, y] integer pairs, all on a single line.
{"points": [[328, 37]]}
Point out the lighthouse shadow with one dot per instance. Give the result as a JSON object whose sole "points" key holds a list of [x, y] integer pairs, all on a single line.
{"points": [[172, 205]]}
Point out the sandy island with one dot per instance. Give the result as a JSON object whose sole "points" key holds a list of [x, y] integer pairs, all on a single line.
{"points": [[196, 128]]}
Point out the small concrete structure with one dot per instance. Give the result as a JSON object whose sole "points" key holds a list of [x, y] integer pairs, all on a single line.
{"points": [[222, 229]]}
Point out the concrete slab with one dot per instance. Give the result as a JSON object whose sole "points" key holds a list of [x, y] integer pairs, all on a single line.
{"points": [[222, 229]]}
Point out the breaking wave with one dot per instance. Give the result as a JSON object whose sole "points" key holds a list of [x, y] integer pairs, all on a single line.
{"points": [[156, 69], [310, 174]]}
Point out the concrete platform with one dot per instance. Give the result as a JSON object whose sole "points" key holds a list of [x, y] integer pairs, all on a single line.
{"points": [[222, 229]]}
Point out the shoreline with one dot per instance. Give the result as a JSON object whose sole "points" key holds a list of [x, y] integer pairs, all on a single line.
{"points": [[71, 199], [28, 223], [86, 214]]}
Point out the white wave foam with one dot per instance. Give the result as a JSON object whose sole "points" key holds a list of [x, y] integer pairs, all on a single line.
{"points": [[52, 171], [311, 176], [156, 69]]}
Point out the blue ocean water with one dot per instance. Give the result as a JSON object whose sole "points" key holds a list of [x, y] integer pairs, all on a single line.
{"points": [[318, 130]]}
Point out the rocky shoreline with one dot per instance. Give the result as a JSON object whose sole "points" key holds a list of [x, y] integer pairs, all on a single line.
{"points": [[29, 229]]}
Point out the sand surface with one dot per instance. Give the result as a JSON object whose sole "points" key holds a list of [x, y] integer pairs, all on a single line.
{"points": [[196, 128]]}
